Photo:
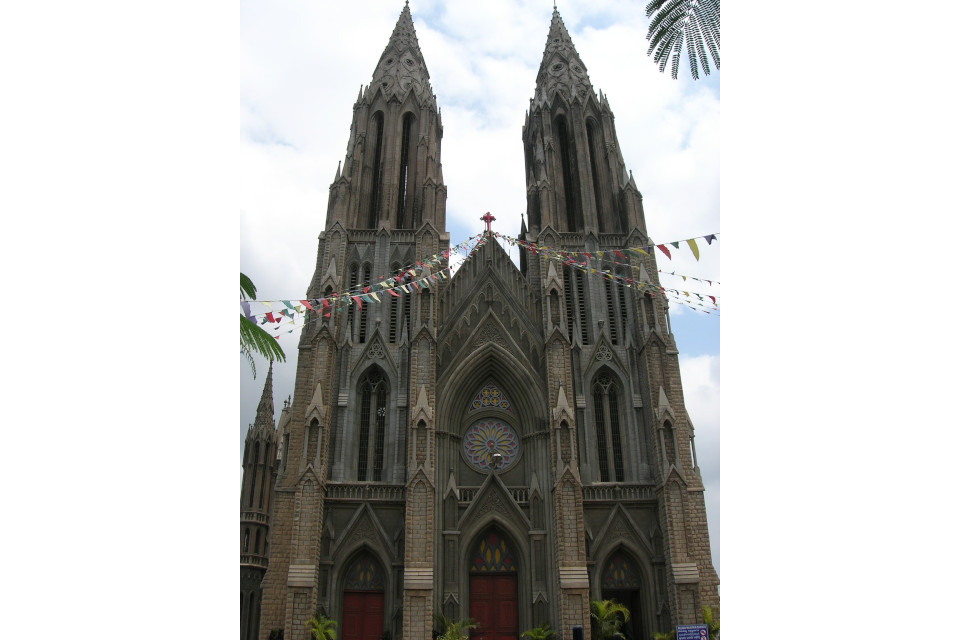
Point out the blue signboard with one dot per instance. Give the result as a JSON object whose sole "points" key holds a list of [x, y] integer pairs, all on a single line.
{"points": [[692, 632]]}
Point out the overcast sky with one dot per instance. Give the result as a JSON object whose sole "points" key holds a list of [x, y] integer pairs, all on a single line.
{"points": [[302, 65]]}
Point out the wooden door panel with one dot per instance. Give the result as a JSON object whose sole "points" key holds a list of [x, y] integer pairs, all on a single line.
{"points": [[362, 615], [493, 605]]}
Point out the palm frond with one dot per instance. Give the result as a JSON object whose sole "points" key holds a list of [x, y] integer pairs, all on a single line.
{"points": [[321, 627], [675, 23], [247, 289], [253, 367], [254, 339]]}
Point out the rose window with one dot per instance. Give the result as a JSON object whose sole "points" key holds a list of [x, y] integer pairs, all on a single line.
{"points": [[487, 437]]}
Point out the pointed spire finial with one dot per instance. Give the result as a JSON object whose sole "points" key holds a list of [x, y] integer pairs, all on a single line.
{"points": [[561, 67], [265, 408], [401, 67]]}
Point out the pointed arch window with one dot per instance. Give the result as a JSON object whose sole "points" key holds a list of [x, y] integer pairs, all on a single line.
{"points": [[595, 153], [571, 183], [582, 308], [610, 289], [373, 419], [351, 305], [365, 574], [570, 300], [407, 149], [575, 297], [377, 178], [253, 479], [620, 573], [493, 555], [622, 296], [263, 477], [365, 309], [606, 412], [491, 397], [395, 302]]}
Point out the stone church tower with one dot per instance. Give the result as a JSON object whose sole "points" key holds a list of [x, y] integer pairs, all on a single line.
{"points": [[508, 444], [259, 476]]}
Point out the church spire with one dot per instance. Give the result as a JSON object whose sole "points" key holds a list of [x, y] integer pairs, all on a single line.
{"points": [[392, 176], [265, 408], [401, 67], [561, 69], [573, 160]]}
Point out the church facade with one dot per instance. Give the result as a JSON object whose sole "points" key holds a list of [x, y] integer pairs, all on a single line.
{"points": [[507, 445]]}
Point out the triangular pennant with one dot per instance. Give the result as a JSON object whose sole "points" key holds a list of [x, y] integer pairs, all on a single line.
{"points": [[693, 247], [665, 250], [710, 238]]}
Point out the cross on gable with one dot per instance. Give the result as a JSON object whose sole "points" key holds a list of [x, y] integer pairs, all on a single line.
{"points": [[488, 219]]}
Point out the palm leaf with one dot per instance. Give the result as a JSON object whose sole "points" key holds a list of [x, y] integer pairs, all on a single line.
{"points": [[247, 289], [253, 339], [675, 23], [605, 612]]}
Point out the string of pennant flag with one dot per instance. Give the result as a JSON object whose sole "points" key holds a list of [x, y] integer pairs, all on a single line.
{"points": [[412, 278], [584, 261], [685, 278], [427, 272]]}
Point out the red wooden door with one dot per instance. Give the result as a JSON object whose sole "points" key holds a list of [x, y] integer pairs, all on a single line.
{"points": [[362, 615], [493, 606]]}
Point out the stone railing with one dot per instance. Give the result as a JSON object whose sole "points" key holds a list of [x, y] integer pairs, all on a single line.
{"points": [[253, 516], [253, 561], [520, 495], [618, 492], [377, 492]]}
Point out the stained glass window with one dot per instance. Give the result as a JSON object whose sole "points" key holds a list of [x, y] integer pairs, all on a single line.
{"points": [[492, 555], [364, 575], [373, 387], [607, 416], [620, 574], [490, 397], [487, 437]]}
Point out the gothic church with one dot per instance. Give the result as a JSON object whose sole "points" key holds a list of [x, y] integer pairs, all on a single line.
{"points": [[507, 445]]}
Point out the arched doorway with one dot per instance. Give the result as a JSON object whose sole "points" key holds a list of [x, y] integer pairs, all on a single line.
{"points": [[362, 617], [493, 589], [620, 581]]}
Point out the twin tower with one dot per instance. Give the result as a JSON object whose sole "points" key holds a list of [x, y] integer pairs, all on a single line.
{"points": [[505, 444]]}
